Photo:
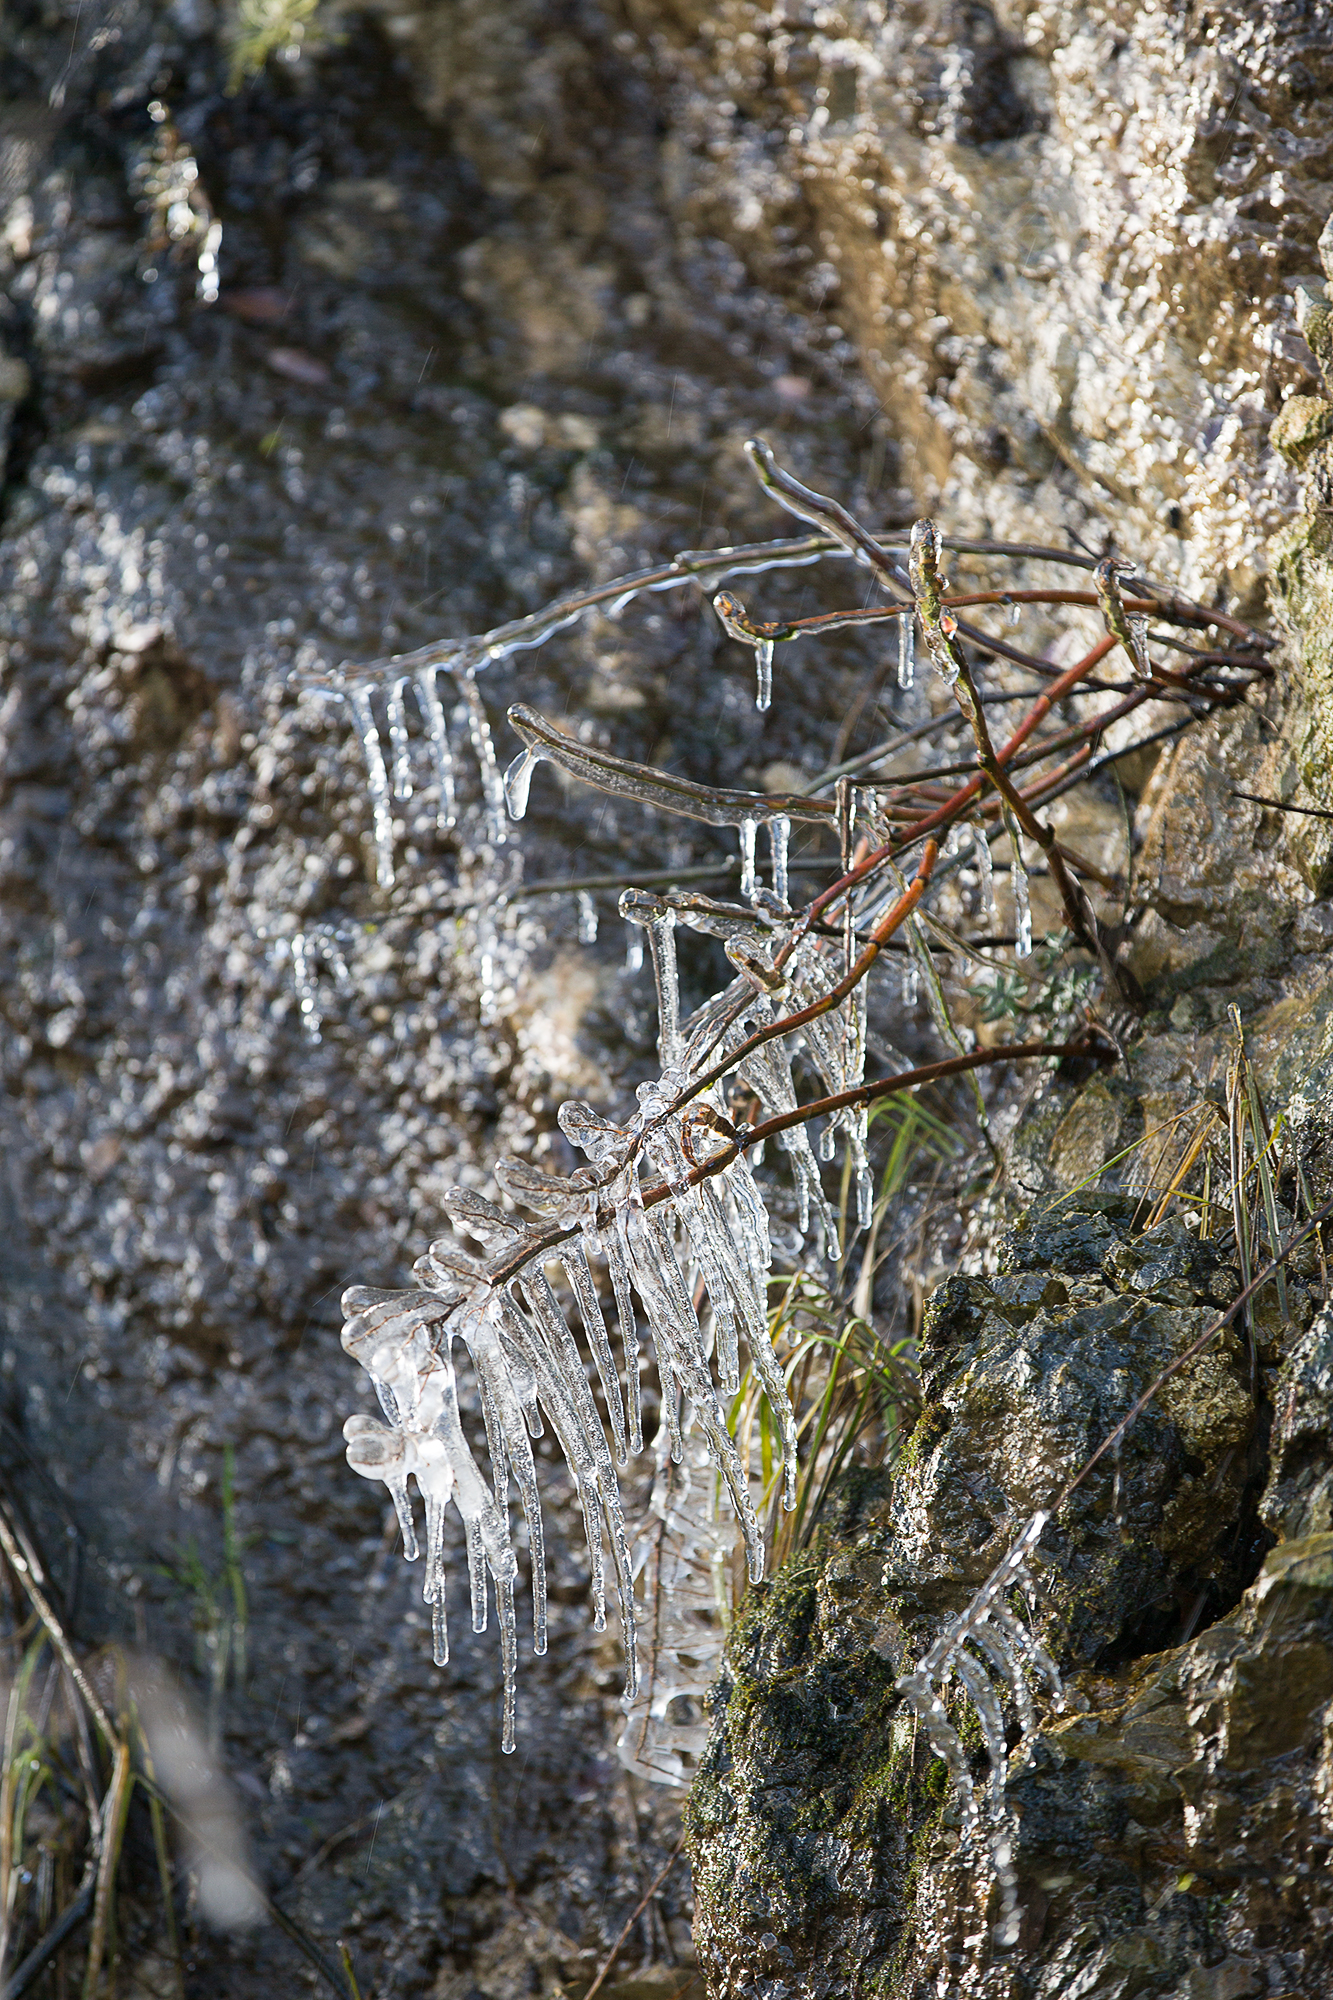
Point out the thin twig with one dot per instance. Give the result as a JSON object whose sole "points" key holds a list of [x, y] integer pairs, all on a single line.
{"points": [[113, 1825], [1209, 1333], [1279, 805], [656, 878], [37, 1598], [639, 1909]]}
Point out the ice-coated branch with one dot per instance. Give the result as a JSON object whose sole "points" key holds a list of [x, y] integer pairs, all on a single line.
{"points": [[537, 1321], [941, 629], [713, 804]]}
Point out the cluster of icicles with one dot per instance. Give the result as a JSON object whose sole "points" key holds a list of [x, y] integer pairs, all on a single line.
{"points": [[989, 1653], [391, 778], [707, 1241], [690, 1255]]}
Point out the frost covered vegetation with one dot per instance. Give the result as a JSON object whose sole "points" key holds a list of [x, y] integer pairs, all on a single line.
{"points": [[667, 1230]]}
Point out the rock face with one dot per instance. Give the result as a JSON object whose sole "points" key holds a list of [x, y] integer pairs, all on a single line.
{"points": [[1170, 1826], [498, 291]]}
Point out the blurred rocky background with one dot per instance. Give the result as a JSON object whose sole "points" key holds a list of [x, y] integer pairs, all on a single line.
{"points": [[325, 332]]}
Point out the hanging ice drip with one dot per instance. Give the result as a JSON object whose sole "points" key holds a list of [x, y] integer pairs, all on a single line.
{"points": [[640, 906], [399, 746], [381, 789], [518, 783], [749, 873], [779, 836], [763, 667], [761, 637], [377, 784], [906, 649], [483, 746], [985, 871], [1021, 887], [432, 710]]}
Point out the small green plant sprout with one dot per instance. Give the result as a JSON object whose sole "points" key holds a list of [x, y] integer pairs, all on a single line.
{"points": [[219, 1611], [261, 29]]}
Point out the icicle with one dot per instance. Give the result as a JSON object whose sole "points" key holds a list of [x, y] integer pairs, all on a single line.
{"points": [[749, 878], [634, 951], [476, 1563], [432, 709], [487, 941], [398, 742], [377, 1452], [911, 982], [576, 1269], [985, 869], [587, 918], [504, 1601], [492, 784], [1022, 891], [303, 979], [865, 1197], [1015, 613], [991, 1627], [906, 649], [377, 783], [763, 667], [639, 906], [599, 1479], [433, 1590], [658, 1281], [629, 1338], [828, 1142], [518, 783], [1138, 627], [779, 835], [1022, 911]]}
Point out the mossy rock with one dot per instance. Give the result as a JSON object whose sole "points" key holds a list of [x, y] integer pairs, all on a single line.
{"points": [[824, 1837]]}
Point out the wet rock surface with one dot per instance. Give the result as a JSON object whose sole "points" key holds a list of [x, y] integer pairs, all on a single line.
{"points": [[349, 451], [500, 291]]}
